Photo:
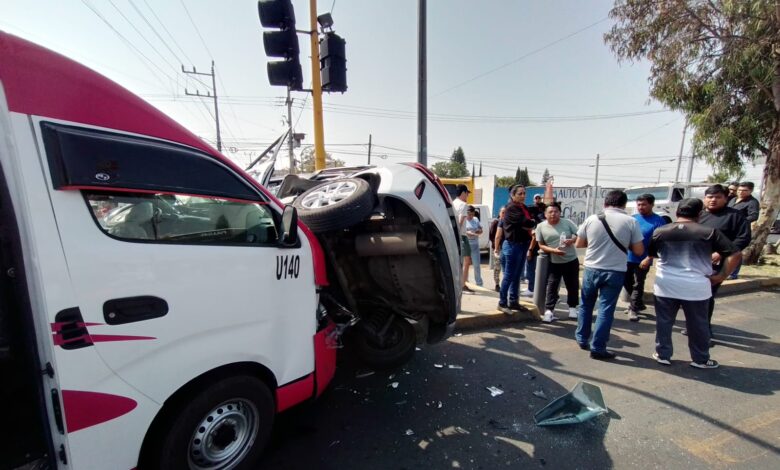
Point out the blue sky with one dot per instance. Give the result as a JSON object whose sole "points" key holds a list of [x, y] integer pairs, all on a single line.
{"points": [[497, 70]]}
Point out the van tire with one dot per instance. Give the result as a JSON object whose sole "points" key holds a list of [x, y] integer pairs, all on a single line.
{"points": [[241, 409], [343, 213], [403, 341]]}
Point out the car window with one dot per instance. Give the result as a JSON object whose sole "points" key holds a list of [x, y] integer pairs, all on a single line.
{"points": [[175, 218]]}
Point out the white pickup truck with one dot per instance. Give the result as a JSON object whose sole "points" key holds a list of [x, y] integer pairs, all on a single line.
{"points": [[667, 197]]}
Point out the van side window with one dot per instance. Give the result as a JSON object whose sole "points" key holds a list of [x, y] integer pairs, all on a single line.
{"points": [[182, 219], [677, 194]]}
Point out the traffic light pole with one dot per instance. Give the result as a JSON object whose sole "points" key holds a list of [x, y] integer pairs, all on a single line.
{"points": [[422, 86], [316, 90]]}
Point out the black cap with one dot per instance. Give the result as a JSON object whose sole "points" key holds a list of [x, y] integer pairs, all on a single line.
{"points": [[690, 208], [462, 188]]}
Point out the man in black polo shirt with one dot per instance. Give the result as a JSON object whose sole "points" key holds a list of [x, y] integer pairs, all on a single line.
{"points": [[728, 220], [684, 278]]}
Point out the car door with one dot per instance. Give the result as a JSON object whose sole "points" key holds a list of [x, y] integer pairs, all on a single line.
{"points": [[175, 260]]}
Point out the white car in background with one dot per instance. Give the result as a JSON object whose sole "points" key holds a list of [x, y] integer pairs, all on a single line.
{"points": [[667, 197]]}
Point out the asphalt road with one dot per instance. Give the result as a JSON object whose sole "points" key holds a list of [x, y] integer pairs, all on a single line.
{"points": [[660, 417]]}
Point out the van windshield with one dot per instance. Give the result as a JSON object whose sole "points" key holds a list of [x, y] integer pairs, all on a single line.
{"points": [[661, 193]]}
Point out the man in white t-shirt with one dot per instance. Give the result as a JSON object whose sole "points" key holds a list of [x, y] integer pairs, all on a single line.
{"points": [[684, 277], [460, 208], [608, 237]]}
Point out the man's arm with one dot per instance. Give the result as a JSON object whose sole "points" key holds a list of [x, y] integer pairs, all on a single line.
{"points": [[742, 240], [638, 248], [731, 264], [752, 210]]}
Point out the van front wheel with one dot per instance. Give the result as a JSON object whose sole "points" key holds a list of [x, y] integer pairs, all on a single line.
{"points": [[226, 426]]}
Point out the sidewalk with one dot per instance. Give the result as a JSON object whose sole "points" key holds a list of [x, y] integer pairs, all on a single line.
{"points": [[478, 310]]}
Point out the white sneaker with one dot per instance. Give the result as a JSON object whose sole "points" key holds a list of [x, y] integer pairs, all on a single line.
{"points": [[661, 360], [527, 293], [632, 315], [549, 316], [573, 313]]}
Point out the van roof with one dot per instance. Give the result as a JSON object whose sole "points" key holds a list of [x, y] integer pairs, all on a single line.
{"points": [[40, 82]]}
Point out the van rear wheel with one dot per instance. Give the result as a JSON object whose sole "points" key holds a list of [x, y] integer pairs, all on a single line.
{"points": [[395, 348], [224, 427]]}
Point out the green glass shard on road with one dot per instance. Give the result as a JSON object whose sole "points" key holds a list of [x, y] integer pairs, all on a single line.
{"points": [[584, 402]]}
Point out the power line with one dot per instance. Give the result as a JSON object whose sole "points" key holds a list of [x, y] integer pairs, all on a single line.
{"points": [[148, 62], [524, 56], [196, 29]]}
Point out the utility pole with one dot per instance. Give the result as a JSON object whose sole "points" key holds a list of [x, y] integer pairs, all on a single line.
{"points": [[596, 183], [209, 94], [659, 176], [690, 166], [290, 132], [682, 145], [369, 149], [316, 89], [422, 86]]}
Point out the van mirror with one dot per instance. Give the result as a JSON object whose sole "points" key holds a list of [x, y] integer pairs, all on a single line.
{"points": [[289, 227]]}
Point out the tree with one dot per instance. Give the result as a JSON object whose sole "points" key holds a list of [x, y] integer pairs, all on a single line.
{"points": [[518, 175], [726, 176], [524, 179], [545, 176], [450, 169], [505, 181], [718, 62], [307, 161], [458, 156]]}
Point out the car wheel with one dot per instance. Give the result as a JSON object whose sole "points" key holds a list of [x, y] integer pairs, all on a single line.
{"points": [[397, 348], [226, 426], [335, 205]]}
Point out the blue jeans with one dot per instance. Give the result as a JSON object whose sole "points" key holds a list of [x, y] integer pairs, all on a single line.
{"points": [[530, 272], [475, 260], [513, 255], [605, 285]]}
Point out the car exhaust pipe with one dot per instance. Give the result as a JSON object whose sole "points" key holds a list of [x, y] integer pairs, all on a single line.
{"points": [[387, 244]]}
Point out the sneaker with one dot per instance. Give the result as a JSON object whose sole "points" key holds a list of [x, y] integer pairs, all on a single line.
{"points": [[467, 289], [710, 364], [573, 313], [684, 332], [641, 308], [498, 288], [504, 309], [661, 360], [632, 315], [517, 306], [549, 316], [584, 347], [606, 355], [527, 293]]}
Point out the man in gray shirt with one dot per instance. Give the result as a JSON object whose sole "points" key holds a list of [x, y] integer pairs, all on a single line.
{"points": [[606, 237]]}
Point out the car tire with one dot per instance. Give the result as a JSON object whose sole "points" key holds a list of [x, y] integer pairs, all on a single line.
{"points": [[402, 341], [225, 426], [335, 205]]}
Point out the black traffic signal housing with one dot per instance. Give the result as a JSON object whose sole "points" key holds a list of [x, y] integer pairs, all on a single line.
{"points": [[282, 43], [333, 63]]}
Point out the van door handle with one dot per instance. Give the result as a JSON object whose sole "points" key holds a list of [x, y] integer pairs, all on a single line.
{"points": [[133, 309]]}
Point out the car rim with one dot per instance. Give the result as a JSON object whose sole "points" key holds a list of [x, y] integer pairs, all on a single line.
{"points": [[224, 436], [329, 194]]}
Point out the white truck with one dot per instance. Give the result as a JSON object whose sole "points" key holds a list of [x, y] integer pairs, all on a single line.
{"points": [[667, 197]]}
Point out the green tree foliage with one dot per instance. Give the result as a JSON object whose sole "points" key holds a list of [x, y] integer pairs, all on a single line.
{"points": [[458, 156], [726, 176], [545, 176], [524, 179], [307, 161], [450, 169], [718, 62], [505, 181]]}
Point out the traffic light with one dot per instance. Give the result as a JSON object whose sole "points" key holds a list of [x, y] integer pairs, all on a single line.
{"points": [[282, 43], [333, 63]]}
